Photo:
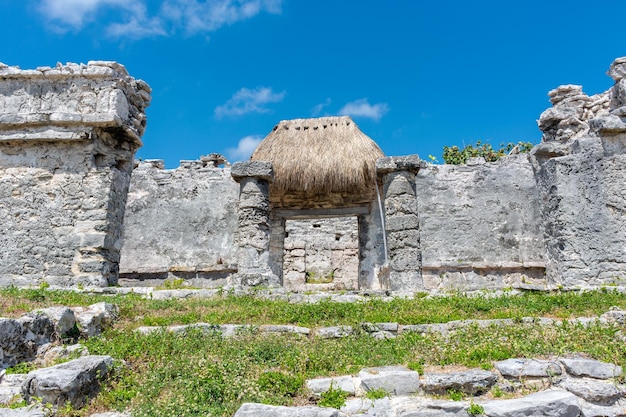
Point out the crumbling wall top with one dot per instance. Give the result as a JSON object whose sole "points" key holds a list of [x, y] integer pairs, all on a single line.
{"points": [[66, 101]]}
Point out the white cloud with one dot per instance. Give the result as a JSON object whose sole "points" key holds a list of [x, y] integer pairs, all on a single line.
{"points": [[207, 16], [171, 16], [317, 109], [74, 14], [249, 101], [244, 149], [362, 108]]}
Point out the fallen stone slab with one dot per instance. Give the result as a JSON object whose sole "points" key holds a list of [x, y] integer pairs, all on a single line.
{"points": [[10, 387], [334, 332], [263, 410], [396, 380], [33, 411], [364, 407], [592, 410], [52, 354], [554, 403], [92, 319], [63, 318], [591, 368], [281, 328], [528, 368], [420, 407], [320, 385], [472, 382], [593, 391], [21, 338], [72, 381]]}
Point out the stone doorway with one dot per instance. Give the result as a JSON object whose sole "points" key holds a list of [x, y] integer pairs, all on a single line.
{"points": [[321, 254]]}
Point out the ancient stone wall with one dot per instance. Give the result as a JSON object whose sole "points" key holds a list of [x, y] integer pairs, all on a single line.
{"points": [[67, 140], [321, 254], [180, 223], [480, 225], [580, 170]]}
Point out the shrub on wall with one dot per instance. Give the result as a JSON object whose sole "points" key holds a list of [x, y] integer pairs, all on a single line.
{"points": [[455, 156]]}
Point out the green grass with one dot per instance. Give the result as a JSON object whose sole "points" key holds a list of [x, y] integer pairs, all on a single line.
{"points": [[203, 374]]}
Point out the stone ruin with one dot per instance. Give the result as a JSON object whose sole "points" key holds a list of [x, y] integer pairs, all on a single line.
{"points": [[68, 136], [554, 217]]}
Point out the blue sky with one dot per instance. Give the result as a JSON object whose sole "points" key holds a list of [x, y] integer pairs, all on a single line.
{"points": [[414, 75]]}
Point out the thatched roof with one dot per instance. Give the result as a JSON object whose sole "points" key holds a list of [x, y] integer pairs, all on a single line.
{"points": [[322, 155]]}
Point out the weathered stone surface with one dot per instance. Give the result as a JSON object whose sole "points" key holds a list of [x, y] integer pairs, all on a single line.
{"points": [[593, 410], [525, 368], [368, 408], [556, 403], [66, 147], [276, 328], [256, 169], [480, 226], [262, 410], [21, 338], [590, 368], [411, 163], [63, 318], [472, 382], [167, 209], [72, 381], [56, 353], [11, 387], [417, 407], [92, 319], [320, 385], [396, 380], [598, 392], [614, 316], [35, 411], [334, 332]]}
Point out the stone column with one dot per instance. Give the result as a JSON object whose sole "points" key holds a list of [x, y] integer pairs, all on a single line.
{"points": [[253, 235], [401, 221]]}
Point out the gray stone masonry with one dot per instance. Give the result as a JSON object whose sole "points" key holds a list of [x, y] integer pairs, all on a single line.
{"points": [[401, 221], [579, 168], [253, 235], [67, 139], [180, 223]]}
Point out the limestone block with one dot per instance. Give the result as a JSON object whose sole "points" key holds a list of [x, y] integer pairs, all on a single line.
{"points": [[524, 368], [320, 385], [590, 368], [617, 70], [262, 410], [411, 163], [72, 381], [594, 391], [57, 353], [23, 412], [396, 380], [472, 382], [334, 332], [10, 386], [416, 407], [256, 169], [63, 318], [555, 403], [370, 408]]}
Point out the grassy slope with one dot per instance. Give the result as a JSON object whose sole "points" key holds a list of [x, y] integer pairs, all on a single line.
{"points": [[199, 375]]}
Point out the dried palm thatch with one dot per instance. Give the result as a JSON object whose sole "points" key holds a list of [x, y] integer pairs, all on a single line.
{"points": [[323, 155]]}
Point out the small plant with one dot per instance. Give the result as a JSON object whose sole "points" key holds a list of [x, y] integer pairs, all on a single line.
{"points": [[376, 394], [172, 284], [455, 156], [455, 395], [475, 409], [416, 366], [497, 392], [333, 397], [312, 278], [21, 368]]}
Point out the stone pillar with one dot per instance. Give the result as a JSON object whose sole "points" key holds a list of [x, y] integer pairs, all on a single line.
{"points": [[254, 225], [401, 221], [68, 136]]}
